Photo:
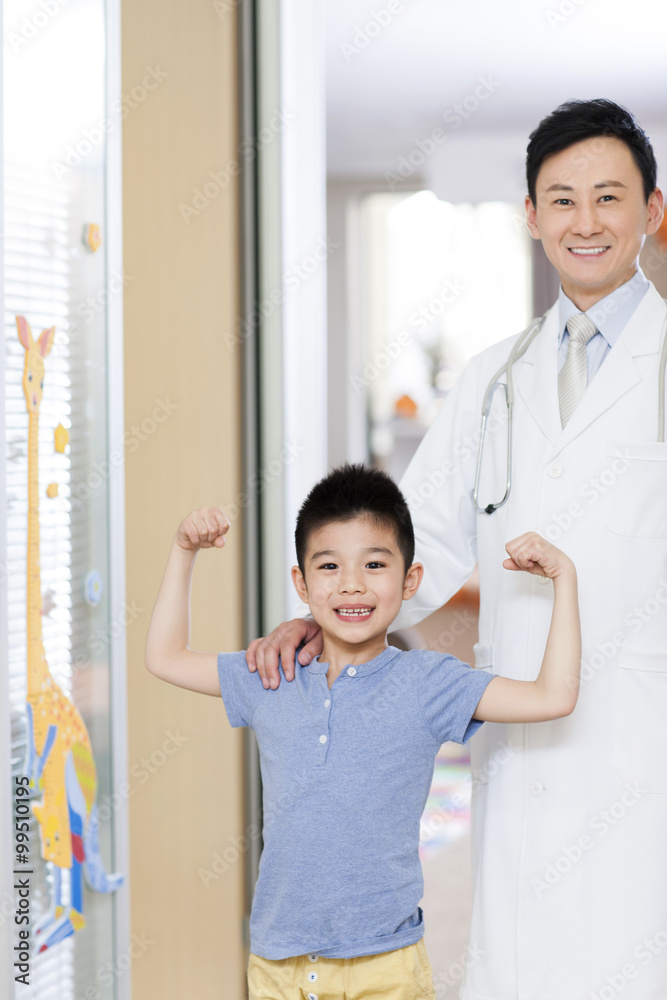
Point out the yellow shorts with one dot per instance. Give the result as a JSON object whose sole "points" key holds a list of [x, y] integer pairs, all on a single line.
{"points": [[404, 974]]}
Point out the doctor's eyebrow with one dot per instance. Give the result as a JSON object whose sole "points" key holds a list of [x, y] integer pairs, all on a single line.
{"points": [[602, 184]]}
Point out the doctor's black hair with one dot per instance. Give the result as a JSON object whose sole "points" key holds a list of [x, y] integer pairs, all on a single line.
{"points": [[575, 121], [349, 491]]}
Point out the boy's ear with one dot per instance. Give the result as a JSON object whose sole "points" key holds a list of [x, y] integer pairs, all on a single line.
{"points": [[299, 582], [413, 578]]}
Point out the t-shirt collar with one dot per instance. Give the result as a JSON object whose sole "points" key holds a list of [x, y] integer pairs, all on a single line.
{"points": [[387, 654]]}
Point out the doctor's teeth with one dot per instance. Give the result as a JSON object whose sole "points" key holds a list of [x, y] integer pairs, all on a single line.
{"points": [[593, 250]]}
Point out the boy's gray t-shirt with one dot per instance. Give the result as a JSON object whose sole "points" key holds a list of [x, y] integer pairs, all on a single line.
{"points": [[346, 772]]}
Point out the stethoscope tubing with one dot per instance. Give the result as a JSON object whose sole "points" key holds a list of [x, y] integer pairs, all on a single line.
{"points": [[520, 347]]}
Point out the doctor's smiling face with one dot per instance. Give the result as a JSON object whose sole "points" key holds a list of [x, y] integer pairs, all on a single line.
{"points": [[592, 216]]}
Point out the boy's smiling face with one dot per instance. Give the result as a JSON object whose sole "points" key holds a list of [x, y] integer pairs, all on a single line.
{"points": [[354, 584]]}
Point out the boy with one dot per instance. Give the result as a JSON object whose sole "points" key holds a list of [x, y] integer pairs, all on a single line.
{"points": [[347, 749]]}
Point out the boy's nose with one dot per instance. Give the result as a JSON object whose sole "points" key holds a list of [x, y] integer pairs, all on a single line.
{"points": [[351, 585]]}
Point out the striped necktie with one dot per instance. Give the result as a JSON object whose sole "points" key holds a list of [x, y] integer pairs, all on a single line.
{"points": [[572, 378]]}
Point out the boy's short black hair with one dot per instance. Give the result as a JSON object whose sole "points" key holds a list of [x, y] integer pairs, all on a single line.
{"points": [[575, 121], [351, 490]]}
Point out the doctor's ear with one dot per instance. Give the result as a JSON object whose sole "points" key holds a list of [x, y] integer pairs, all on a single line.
{"points": [[299, 581], [655, 211], [531, 218], [413, 578]]}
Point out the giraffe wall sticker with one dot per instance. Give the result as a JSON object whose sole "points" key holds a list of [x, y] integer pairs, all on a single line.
{"points": [[60, 761]]}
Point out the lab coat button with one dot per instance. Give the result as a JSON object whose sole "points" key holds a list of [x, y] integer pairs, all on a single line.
{"points": [[351, 671], [323, 739], [555, 471], [536, 788], [542, 579]]}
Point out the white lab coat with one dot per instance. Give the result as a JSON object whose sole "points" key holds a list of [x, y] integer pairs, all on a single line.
{"points": [[569, 817]]}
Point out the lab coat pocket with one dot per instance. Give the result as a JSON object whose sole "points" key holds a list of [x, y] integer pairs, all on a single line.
{"points": [[639, 757], [635, 484]]}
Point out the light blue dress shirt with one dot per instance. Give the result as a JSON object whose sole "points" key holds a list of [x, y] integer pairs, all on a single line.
{"points": [[610, 316]]}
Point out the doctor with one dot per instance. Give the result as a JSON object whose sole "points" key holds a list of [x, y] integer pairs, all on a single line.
{"points": [[570, 819]]}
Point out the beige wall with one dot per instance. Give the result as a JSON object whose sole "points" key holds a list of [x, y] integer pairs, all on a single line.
{"points": [[180, 299]]}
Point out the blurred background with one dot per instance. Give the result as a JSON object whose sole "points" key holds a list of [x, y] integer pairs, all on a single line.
{"points": [[309, 218]]}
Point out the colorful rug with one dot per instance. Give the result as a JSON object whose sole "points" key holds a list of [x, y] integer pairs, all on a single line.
{"points": [[447, 813]]}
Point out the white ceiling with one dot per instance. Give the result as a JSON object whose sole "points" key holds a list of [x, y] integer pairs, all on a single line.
{"points": [[385, 96]]}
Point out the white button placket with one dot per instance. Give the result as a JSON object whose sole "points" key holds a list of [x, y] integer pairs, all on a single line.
{"points": [[324, 720]]}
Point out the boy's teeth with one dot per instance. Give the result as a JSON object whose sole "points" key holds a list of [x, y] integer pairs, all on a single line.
{"points": [[584, 250], [353, 613]]}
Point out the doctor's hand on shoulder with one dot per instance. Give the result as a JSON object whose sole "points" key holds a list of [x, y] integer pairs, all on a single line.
{"points": [[554, 692]]}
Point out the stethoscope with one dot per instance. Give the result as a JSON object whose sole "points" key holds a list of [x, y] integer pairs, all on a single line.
{"points": [[520, 347]]}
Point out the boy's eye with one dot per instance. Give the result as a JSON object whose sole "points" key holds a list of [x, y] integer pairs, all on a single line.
{"points": [[375, 565], [328, 566]]}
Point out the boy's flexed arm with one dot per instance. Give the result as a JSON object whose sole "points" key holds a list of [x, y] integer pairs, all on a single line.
{"points": [[168, 655], [555, 690]]}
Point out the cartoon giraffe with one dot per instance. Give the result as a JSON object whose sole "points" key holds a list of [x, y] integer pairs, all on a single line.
{"points": [[60, 760]]}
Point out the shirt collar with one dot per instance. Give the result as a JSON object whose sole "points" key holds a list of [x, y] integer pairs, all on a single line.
{"points": [[610, 314], [387, 654]]}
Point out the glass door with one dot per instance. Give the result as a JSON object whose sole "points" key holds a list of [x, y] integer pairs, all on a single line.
{"points": [[62, 298]]}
